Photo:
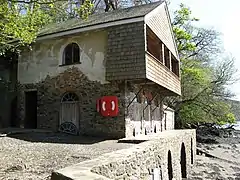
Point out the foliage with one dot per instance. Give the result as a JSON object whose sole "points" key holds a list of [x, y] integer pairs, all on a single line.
{"points": [[22, 19], [182, 18], [235, 107], [203, 80]]}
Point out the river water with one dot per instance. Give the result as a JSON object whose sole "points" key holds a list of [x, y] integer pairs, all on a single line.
{"points": [[237, 126]]}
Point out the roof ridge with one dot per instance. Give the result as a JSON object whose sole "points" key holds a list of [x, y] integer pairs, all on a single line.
{"points": [[100, 18], [158, 2]]}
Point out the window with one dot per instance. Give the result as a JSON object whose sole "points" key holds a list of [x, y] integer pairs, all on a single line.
{"points": [[175, 66], [166, 57], [154, 45], [70, 97], [71, 54]]}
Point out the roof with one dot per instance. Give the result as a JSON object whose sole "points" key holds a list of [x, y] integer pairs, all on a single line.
{"points": [[100, 18]]}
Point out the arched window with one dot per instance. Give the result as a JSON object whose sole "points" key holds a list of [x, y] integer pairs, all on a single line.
{"points": [[70, 97], [71, 54]]}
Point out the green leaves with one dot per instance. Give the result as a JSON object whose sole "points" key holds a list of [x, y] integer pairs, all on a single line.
{"points": [[85, 10], [182, 16], [18, 25], [203, 85], [20, 21]]}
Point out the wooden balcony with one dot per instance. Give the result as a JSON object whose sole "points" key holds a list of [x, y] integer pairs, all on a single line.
{"points": [[140, 55], [160, 74], [162, 67]]}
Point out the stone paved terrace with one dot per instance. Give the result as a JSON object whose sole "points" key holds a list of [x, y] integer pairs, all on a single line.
{"points": [[34, 155]]}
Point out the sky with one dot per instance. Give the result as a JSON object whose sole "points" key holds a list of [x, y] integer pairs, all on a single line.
{"points": [[222, 16]]}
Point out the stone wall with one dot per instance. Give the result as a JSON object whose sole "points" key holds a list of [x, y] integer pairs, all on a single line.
{"points": [[139, 161], [134, 118], [51, 90], [41, 69]]}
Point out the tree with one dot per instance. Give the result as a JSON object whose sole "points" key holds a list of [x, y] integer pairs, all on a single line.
{"points": [[203, 82], [20, 20]]}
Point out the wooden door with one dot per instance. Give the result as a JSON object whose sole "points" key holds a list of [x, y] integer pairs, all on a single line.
{"points": [[69, 112]]}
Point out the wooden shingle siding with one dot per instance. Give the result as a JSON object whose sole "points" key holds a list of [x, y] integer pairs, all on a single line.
{"points": [[159, 23], [159, 74], [126, 52]]}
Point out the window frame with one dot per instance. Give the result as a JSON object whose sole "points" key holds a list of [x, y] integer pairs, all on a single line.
{"points": [[73, 59]]}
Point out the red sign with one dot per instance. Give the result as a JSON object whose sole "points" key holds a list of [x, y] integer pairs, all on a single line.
{"points": [[108, 106]]}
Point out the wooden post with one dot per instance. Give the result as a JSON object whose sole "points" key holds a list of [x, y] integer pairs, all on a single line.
{"points": [[163, 54], [170, 60]]}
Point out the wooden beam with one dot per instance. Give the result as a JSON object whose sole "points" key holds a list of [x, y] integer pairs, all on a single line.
{"points": [[163, 54], [170, 60]]}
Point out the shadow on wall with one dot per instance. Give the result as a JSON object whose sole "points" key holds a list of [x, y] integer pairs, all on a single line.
{"points": [[55, 138], [183, 161], [170, 169], [191, 151]]}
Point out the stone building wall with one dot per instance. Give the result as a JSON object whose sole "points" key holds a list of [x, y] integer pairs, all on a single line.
{"points": [[51, 90], [41, 69], [139, 161]]}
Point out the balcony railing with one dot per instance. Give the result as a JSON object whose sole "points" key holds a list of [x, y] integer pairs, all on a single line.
{"points": [[158, 50]]}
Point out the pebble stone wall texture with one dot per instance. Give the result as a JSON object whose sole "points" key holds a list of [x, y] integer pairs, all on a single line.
{"points": [[139, 161], [52, 89]]}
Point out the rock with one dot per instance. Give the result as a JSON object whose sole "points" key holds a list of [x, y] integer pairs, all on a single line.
{"points": [[14, 168], [201, 139]]}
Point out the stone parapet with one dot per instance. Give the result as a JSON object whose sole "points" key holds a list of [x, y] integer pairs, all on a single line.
{"points": [[49, 101], [139, 161]]}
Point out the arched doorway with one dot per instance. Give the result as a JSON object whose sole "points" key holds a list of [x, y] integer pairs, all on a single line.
{"points": [[183, 162], [170, 169], [191, 151], [69, 113]]}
